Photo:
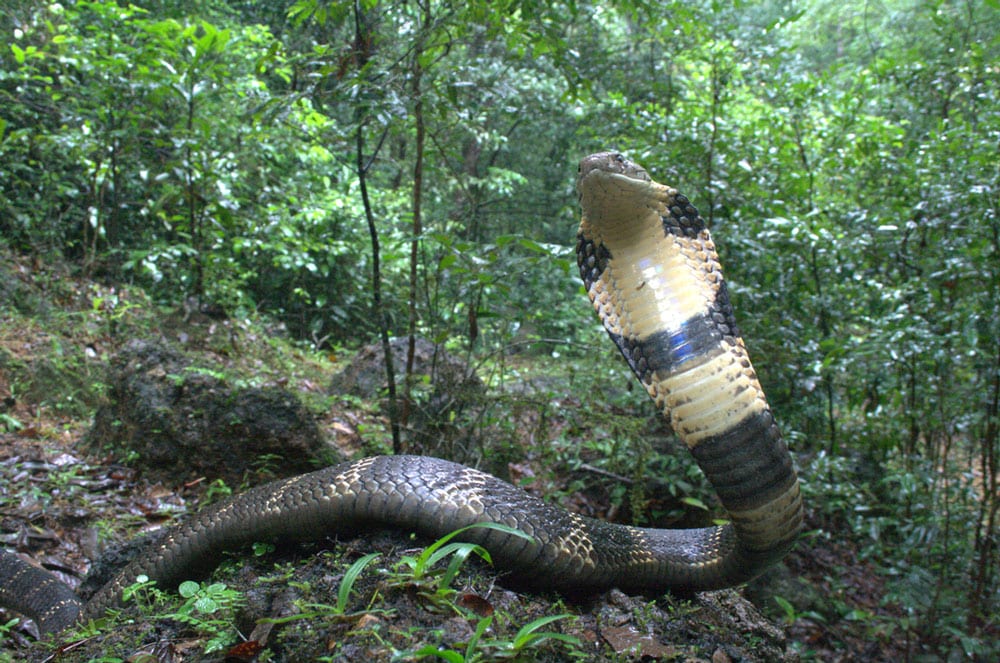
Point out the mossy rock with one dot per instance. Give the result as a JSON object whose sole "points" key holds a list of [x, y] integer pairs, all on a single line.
{"points": [[446, 395], [178, 421]]}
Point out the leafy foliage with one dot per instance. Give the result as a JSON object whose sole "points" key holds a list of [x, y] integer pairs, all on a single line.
{"points": [[845, 155], [206, 609], [421, 573]]}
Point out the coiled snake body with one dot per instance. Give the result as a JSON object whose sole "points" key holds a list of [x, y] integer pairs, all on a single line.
{"points": [[652, 273]]}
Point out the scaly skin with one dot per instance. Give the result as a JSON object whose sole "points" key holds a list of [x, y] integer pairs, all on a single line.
{"points": [[653, 276]]}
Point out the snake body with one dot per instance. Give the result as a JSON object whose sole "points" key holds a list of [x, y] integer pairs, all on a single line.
{"points": [[652, 273]]}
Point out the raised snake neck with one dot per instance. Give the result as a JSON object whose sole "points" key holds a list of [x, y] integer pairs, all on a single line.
{"points": [[652, 273]]}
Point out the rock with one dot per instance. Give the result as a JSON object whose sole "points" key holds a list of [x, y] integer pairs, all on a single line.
{"points": [[177, 421], [364, 377], [743, 632], [713, 626], [446, 394]]}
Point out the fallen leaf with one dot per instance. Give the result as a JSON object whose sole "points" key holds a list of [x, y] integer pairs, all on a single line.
{"points": [[366, 621], [625, 639], [245, 651], [476, 604]]}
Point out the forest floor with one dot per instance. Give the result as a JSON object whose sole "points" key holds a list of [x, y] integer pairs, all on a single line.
{"points": [[60, 505]]}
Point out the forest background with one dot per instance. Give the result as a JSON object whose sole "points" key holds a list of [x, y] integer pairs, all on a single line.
{"points": [[272, 158]]}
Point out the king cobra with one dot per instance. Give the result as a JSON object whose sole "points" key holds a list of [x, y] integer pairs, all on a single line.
{"points": [[652, 273]]}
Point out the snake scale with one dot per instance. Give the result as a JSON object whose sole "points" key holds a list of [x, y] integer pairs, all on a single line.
{"points": [[652, 273]]}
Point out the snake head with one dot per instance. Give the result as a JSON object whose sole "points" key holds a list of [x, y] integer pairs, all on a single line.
{"points": [[611, 163], [609, 185]]}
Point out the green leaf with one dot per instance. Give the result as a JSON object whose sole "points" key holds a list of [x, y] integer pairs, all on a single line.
{"points": [[449, 655], [430, 555], [350, 576], [206, 605], [526, 634], [695, 502], [188, 588], [787, 607]]}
